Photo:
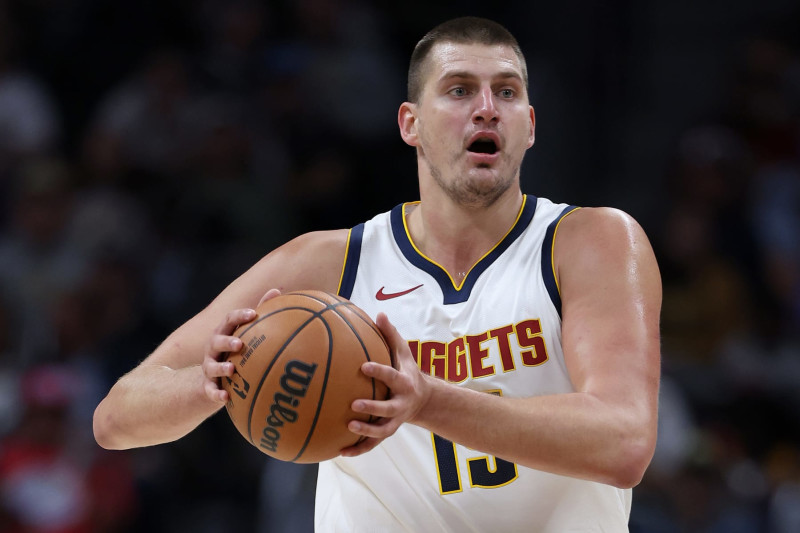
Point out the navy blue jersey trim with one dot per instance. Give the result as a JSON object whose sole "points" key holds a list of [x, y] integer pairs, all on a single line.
{"points": [[451, 294], [548, 274], [351, 261]]}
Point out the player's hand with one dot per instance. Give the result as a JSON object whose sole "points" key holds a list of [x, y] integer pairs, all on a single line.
{"points": [[408, 393], [223, 341]]}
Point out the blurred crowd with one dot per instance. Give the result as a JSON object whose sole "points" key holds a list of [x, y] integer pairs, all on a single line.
{"points": [[149, 153], [728, 242]]}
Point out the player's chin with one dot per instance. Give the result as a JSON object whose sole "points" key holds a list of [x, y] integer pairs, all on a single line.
{"points": [[483, 189]]}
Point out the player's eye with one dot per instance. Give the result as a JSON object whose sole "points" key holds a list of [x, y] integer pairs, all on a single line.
{"points": [[507, 93], [458, 91]]}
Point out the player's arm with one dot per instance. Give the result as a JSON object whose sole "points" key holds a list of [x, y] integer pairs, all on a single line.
{"points": [[606, 430], [174, 389]]}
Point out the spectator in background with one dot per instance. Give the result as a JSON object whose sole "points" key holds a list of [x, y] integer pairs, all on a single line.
{"points": [[149, 117], [333, 83], [777, 223], [729, 257], [36, 263], [9, 371], [769, 112], [706, 294], [29, 123], [235, 33], [47, 483], [281, 63]]}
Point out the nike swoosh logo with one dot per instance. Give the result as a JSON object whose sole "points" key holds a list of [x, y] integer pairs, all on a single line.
{"points": [[380, 295]]}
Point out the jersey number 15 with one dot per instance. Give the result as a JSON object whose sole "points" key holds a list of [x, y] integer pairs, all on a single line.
{"points": [[481, 474]]}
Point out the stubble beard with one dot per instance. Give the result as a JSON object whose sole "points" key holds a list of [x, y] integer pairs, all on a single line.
{"points": [[472, 192]]}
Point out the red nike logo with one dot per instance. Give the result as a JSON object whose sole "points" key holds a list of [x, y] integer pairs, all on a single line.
{"points": [[380, 295]]}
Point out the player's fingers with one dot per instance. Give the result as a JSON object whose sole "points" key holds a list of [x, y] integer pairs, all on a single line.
{"points": [[224, 343], [362, 447], [385, 427], [385, 408], [381, 372], [234, 319], [214, 393], [270, 294], [397, 344], [214, 369], [218, 345]]}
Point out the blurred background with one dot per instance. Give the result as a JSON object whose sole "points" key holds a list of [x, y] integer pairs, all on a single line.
{"points": [[150, 151]]}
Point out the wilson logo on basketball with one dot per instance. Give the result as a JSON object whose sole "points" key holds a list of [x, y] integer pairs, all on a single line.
{"points": [[296, 377]]}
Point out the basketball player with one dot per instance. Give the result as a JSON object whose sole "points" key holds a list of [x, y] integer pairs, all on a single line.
{"points": [[525, 333]]}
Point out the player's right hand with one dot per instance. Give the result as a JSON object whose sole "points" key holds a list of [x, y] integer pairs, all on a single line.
{"points": [[409, 393], [222, 341]]}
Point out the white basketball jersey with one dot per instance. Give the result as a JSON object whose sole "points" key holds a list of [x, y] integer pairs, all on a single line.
{"points": [[499, 331]]}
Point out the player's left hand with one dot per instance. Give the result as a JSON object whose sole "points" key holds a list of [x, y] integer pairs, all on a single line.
{"points": [[408, 393]]}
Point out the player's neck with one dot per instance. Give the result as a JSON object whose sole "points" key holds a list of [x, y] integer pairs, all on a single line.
{"points": [[456, 236]]}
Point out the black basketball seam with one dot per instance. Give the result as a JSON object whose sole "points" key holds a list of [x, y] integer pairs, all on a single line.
{"points": [[324, 387], [314, 314], [280, 351], [372, 418], [259, 319], [377, 331], [380, 335], [391, 359], [328, 306], [334, 307], [313, 296], [348, 303]]}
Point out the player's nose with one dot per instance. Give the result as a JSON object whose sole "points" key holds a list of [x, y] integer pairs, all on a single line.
{"points": [[485, 109]]}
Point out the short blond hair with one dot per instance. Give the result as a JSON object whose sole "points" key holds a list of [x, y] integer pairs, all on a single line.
{"points": [[462, 30]]}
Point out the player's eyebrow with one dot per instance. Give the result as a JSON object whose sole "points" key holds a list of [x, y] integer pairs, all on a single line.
{"points": [[468, 75]]}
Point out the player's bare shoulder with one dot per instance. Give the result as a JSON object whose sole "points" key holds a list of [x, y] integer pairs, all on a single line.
{"points": [[603, 249], [596, 233], [311, 261]]}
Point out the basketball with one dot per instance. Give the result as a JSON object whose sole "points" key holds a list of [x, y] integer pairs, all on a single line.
{"points": [[299, 371]]}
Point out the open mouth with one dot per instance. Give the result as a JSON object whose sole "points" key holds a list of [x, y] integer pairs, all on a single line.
{"points": [[483, 146]]}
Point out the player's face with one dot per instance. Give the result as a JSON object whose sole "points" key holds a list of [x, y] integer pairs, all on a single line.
{"points": [[473, 123]]}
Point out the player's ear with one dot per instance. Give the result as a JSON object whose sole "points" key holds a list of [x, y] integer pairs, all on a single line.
{"points": [[532, 134], [407, 120]]}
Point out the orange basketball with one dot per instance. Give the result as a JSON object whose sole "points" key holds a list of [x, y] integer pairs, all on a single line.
{"points": [[299, 371]]}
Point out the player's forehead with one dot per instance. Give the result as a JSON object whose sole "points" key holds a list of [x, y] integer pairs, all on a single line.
{"points": [[448, 59]]}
